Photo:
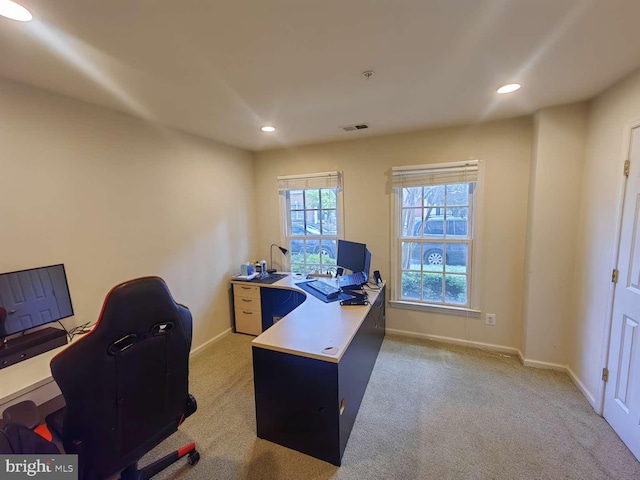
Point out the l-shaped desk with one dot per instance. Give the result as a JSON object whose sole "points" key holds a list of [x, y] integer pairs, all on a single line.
{"points": [[312, 366]]}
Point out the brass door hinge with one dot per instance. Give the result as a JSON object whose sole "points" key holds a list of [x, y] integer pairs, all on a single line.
{"points": [[627, 165], [614, 275], [605, 374]]}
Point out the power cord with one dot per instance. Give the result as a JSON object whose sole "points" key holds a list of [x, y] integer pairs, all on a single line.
{"points": [[79, 330]]}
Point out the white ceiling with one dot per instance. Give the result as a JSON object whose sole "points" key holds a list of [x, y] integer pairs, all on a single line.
{"points": [[223, 69]]}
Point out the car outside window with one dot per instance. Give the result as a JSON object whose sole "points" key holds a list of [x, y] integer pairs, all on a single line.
{"points": [[312, 229], [434, 211]]}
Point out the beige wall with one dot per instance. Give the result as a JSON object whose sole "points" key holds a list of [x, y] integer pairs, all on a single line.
{"points": [[505, 149], [113, 198], [611, 116], [554, 195]]}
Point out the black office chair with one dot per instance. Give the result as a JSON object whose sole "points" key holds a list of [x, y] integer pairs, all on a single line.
{"points": [[125, 384]]}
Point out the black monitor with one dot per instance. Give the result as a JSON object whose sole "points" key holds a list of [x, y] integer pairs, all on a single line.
{"points": [[367, 264], [34, 297], [351, 255]]}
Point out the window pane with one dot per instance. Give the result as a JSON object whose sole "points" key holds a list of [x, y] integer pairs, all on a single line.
{"points": [[457, 257], [296, 201], [328, 197], [434, 196], [434, 226], [433, 256], [458, 194], [432, 287], [411, 285], [456, 289], [296, 248], [312, 198], [311, 268], [411, 255], [412, 197], [297, 267], [411, 222], [312, 251], [329, 222], [457, 222], [328, 249]]}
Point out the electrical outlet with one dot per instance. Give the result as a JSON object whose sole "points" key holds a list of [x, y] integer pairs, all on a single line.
{"points": [[490, 319]]}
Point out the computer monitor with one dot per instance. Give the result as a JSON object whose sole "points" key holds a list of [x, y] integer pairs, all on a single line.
{"points": [[34, 297], [351, 255], [367, 264]]}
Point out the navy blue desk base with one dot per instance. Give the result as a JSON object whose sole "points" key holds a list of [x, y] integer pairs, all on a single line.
{"points": [[310, 405]]}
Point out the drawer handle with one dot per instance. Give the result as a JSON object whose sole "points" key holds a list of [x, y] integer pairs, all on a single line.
{"points": [[247, 300], [246, 288], [247, 313]]}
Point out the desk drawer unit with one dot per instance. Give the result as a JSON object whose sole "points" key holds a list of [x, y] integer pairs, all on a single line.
{"points": [[248, 313]]}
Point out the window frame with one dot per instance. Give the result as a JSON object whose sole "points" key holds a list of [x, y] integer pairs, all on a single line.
{"points": [[473, 263], [315, 181]]}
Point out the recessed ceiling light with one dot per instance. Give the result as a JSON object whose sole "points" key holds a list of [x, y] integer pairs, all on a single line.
{"points": [[14, 11], [511, 87], [268, 129]]}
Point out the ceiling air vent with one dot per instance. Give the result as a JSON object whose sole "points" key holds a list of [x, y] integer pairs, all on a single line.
{"points": [[351, 128]]}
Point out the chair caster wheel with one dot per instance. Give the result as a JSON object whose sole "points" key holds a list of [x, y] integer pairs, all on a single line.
{"points": [[194, 457]]}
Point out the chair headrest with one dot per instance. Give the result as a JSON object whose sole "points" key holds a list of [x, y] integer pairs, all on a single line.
{"points": [[135, 307]]}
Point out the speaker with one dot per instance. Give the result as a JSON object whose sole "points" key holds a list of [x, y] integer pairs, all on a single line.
{"points": [[28, 346], [376, 275]]}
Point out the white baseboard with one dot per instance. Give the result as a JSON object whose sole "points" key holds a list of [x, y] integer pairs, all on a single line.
{"points": [[456, 341], [543, 365], [514, 351], [585, 391], [215, 339]]}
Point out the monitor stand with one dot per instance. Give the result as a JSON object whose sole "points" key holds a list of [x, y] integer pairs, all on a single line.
{"points": [[29, 345]]}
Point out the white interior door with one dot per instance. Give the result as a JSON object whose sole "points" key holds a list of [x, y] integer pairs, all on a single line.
{"points": [[622, 394]]}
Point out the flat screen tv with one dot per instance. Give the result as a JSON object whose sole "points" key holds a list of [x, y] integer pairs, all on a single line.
{"points": [[34, 297]]}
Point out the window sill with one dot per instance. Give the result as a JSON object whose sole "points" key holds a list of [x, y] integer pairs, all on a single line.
{"points": [[443, 309]]}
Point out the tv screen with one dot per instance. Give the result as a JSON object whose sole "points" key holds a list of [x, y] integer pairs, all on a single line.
{"points": [[351, 255], [34, 297]]}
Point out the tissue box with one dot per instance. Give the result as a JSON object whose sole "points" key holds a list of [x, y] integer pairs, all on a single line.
{"points": [[246, 269]]}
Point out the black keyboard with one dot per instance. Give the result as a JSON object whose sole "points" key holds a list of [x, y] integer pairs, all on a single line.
{"points": [[324, 288], [352, 280]]}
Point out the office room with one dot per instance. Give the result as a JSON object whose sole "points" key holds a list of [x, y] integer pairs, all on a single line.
{"points": [[132, 147]]}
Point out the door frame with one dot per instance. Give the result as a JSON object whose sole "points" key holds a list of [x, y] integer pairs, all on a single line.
{"points": [[622, 191]]}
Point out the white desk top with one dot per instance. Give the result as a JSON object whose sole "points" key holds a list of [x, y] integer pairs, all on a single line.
{"points": [[313, 326], [23, 377]]}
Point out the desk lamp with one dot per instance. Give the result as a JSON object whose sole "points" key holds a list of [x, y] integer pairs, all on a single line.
{"points": [[284, 252]]}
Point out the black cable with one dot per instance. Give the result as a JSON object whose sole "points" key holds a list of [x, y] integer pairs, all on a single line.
{"points": [[69, 337], [80, 330]]}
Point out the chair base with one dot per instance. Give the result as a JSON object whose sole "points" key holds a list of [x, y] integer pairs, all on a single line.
{"points": [[132, 472]]}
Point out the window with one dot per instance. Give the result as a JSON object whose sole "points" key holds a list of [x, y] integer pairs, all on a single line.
{"points": [[433, 234], [312, 219]]}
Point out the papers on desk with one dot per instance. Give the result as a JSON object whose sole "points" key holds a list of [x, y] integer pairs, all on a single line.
{"points": [[246, 277]]}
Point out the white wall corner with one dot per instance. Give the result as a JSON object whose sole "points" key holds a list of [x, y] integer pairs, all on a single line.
{"points": [[217, 338], [585, 391]]}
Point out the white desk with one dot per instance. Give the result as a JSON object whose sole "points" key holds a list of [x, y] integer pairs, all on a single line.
{"points": [[29, 380], [313, 326]]}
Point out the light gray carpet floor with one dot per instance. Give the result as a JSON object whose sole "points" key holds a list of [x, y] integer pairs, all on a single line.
{"points": [[431, 411]]}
